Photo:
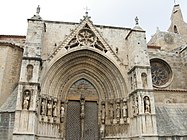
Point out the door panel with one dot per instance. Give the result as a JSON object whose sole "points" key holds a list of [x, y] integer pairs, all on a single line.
{"points": [[73, 121], [91, 121]]}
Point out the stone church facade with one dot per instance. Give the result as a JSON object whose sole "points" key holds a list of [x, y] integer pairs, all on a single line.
{"points": [[80, 81]]}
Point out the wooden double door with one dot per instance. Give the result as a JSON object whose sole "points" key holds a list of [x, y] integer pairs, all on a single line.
{"points": [[82, 120]]}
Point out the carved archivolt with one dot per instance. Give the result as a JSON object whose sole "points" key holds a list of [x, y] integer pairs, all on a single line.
{"points": [[97, 69]]}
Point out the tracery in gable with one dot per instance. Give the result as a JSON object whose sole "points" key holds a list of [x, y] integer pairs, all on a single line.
{"points": [[86, 37]]}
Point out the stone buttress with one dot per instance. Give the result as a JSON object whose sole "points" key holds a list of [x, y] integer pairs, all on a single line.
{"points": [[29, 86], [141, 99]]}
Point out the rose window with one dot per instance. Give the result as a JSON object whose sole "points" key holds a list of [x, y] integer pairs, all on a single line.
{"points": [[161, 73]]}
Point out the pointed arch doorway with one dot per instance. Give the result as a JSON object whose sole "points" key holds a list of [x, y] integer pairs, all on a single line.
{"points": [[82, 112]]}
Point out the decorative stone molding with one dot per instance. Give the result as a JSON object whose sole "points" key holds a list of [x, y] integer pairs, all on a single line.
{"points": [[85, 34], [86, 63]]}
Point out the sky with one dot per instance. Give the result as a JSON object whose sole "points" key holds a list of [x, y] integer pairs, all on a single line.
{"points": [[120, 13]]}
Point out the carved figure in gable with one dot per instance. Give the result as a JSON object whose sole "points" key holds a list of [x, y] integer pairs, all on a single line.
{"points": [[43, 107], [29, 72], [147, 105], [103, 112], [26, 99], [55, 108], [49, 108], [144, 80]]}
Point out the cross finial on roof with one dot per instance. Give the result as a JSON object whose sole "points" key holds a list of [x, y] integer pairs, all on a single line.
{"points": [[174, 1], [38, 10], [136, 20], [86, 9]]}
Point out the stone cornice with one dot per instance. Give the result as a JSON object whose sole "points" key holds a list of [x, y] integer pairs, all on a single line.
{"points": [[29, 83], [170, 90], [13, 36], [138, 90], [32, 58], [133, 30], [10, 45], [141, 67]]}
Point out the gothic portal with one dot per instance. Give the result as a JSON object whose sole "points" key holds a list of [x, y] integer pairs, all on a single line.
{"points": [[82, 112], [80, 81]]}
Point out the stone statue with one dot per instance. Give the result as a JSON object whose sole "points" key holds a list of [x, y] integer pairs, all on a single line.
{"points": [[124, 110], [82, 114], [135, 106], [49, 108], [111, 112], [103, 113], [82, 102], [102, 130], [55, 109], [134, 81], [43, 105], [38, 10], [147, 108], [62, 113], [26, 100], [118, 111], [144, 80]]}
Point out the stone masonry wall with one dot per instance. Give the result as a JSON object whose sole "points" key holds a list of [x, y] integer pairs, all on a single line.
{"points": [[10, 62], [6, 125]]}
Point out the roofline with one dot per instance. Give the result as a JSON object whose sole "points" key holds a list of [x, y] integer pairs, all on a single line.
{"points": [[14, 36], [133, 30], [76, 23], [153, 47], [9, 45], [170, 90]]}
